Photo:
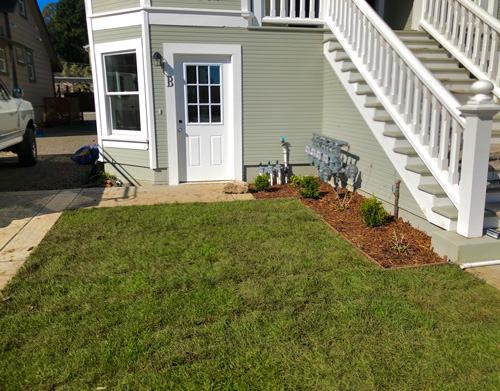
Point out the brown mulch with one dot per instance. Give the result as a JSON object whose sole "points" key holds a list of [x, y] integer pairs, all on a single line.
{"points": [[375, 242]]}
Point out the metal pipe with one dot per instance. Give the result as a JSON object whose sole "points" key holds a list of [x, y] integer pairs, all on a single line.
{"points": [[464, 266]]}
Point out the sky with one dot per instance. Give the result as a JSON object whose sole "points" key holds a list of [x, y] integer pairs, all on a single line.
{"points": [[43, 3]]}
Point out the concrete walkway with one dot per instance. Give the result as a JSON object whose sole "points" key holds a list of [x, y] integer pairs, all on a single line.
{"points": [[26, 217]]}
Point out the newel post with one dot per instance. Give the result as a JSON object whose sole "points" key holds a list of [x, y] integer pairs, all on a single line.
{"points": [[259, 7], [417, 14], [478, 113]]}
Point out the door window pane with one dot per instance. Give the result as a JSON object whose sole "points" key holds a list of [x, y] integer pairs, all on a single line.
{"points": [[193, 114], [216, 114], [125, 112], [121, 72], [204, 114], [191, 74], [204, 95], [203, 74], [192, 94], [215, 94], [215, 74]]}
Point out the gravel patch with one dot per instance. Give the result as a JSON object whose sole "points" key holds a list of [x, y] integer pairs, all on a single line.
{"points": [[55, 170]]}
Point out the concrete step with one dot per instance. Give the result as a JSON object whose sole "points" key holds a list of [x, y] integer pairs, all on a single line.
{"points": [[397, 134], [383, 118], [419, 169], [431, 53], [422, 44]]}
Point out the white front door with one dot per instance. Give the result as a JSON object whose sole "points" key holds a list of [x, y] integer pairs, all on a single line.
{"points": [[204, 115]]}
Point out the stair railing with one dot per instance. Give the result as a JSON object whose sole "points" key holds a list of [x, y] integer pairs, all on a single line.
{"points": [[469, 33], [289, 12], [421, 106]]}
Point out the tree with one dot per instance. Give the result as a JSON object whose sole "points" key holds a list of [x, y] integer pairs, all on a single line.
{"points": [[67, 27]]}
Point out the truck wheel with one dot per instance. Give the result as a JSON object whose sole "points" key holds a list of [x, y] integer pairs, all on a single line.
{"points": [[26, 152]]}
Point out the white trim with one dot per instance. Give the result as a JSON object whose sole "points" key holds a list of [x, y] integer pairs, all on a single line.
{"points": [[117, 21], [148, 77], [88, 9], [170, 50], [110, 48], [95, 82], [172, 17]]}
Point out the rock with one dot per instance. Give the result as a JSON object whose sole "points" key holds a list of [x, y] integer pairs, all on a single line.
{"points": [[236, 187]]}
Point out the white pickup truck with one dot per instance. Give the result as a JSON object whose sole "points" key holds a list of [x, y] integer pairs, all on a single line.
{"points": [[17, 127]]}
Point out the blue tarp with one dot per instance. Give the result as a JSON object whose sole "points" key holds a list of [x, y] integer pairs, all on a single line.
{"points": [[87, 154]]}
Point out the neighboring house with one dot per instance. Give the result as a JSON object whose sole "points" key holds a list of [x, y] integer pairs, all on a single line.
{"points": [[27, 57], [203, 90]]}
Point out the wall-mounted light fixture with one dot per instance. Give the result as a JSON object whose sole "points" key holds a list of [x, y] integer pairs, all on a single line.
{"points": [[157, 59]]}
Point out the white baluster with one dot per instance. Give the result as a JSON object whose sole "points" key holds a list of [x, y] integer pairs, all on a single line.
{"points": [[470, 34], [456, 23], [449, 19], [485, 49], [494, 56], [272, 9], [283, 9], [410, 79], [444, 140], [463, 28], [426, 113], [417, 106], [442, 18], [302, 13], [292, 9], [476, 48], [434, 127], [312, 9]]}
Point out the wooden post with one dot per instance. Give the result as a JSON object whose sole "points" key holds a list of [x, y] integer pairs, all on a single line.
{"points": [[478, 112], [258, 11], [418, 9]]}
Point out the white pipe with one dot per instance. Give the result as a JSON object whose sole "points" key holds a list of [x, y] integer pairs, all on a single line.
{"points": [[285, 154], [464, 266]]}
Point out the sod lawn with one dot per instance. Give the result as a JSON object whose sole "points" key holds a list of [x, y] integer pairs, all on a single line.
{"points": [[256, 295]]}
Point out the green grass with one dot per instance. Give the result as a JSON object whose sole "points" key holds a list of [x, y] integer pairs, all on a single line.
{"points": [[236, 296]]}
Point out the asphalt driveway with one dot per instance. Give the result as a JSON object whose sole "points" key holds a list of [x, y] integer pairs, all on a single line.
{"points": [[55, 170]]}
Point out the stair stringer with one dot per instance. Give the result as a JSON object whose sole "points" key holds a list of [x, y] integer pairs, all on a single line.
{"points": [[411, 179]]}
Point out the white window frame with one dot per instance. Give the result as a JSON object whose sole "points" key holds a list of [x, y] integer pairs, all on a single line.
{"points": [[136, 139], [30, 65], [22, 8], [3, 61]]}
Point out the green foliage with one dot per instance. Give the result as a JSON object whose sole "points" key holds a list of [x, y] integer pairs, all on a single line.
{"points": [[398, 244], [261, 182], [309, 187], [251, 295], [373, 213], [67, 27], [295, 181]]}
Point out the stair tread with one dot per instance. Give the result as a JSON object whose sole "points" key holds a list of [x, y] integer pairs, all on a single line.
{"points": [[394, 134], [421, 169], [383, 118], [434, 189], [410, 151], [451, 212]]}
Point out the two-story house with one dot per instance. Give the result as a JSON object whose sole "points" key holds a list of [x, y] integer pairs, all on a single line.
{"points": [[203, 90], [27, 57]]}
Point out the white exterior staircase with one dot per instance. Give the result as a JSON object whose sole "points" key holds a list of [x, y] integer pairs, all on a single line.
{"points": [[409, 90]]}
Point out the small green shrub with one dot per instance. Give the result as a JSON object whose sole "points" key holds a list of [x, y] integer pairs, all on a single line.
{"points": [[309, 187], [295, 181], [261, 182], [373, 213]]}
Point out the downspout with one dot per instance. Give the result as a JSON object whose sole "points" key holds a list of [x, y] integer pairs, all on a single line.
{"points": [[464, 266], [11, 48]]}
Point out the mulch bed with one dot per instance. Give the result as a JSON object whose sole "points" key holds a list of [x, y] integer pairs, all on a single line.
{"points": [[377, 243]]}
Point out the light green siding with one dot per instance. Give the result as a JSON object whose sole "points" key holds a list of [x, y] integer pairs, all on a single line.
{"points": [[397, 13], [100, 6], [282, 87], [132, 157], [118, 34], [203, 4], [342, 120]]}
